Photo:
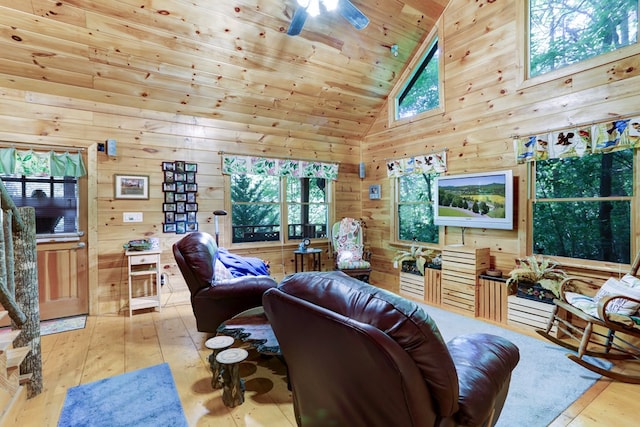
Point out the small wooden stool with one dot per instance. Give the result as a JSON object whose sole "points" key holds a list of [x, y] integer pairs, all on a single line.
{"points": [[217, 344], [232, 385]]}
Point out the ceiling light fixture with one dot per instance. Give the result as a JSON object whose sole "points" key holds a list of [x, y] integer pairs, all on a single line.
{"points": [[313, 6]]}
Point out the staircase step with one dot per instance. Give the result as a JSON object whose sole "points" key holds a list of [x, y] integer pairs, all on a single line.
{"points": [[25, 378], [7, 338], [15, 356]]}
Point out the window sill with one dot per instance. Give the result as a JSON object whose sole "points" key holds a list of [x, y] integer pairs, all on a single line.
{"points": [[57, 238]]}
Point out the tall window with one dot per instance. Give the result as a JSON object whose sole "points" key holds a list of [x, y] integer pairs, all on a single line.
{"points": [[422, 89], [55, 200], [415, 194], [583, 207], [564, 32], [261, 210]]}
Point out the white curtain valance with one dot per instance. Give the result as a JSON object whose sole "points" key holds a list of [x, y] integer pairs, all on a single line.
{"points": [[35, 163], [598, 138], [423, 164], [250, 165]]}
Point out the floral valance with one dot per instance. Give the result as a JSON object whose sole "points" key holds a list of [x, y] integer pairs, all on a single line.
{"points": [[426, 163], [33, 163], [576, 142], [250, 165]]}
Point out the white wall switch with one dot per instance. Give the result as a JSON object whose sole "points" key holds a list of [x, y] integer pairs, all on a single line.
{"points": [[132, 217]]}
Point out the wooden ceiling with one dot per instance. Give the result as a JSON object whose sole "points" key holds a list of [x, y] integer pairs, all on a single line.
{"points": [[226, 59]]}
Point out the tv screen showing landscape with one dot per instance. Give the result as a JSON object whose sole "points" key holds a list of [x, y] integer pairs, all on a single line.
{"points": [[481, 200]]}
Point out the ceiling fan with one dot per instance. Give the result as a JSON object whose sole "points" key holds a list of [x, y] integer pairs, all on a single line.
{"points": [[312, 7]]}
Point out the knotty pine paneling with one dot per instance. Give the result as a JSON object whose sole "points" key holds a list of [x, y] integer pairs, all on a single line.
{"points": [[485, 104], [146, 139]]}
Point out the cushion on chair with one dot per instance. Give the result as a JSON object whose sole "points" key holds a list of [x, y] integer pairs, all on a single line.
{"points": [[620, 287]]}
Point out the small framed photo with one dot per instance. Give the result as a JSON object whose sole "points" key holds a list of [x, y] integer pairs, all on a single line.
{"points": [[168, 207], [192, 207], [191, 167], [169, 217], [181, 227], [374, 191], [181, 207], [181, 197], [179, 187], [169, 197], [191, 216], [169, 228], [181, 217], [192, 226], [169, 186], [131, 187], [179, 166], [168, 166], [191, 177], [169, 176], [191, 197], [192, 188], [180, 176]]}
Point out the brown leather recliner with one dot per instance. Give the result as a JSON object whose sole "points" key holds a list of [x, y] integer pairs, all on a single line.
{"points": [[361, 356], [214, 301]]}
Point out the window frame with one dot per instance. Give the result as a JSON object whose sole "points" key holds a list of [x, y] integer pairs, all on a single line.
{"points": [[579, 68], [410, 71], [284, 210], [580, 262], [395, 222]]}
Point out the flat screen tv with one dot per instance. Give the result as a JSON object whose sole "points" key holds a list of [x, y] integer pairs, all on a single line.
{"points": [[479, 200]]}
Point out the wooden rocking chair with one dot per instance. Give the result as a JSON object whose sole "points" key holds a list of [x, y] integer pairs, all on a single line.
{"points": [[599, 331]]}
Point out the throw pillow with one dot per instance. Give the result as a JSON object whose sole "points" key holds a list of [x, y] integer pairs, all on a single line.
{"points": [[620, 306]]}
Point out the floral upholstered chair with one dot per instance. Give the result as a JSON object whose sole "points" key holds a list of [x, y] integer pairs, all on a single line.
{"points": [[349, 253]]}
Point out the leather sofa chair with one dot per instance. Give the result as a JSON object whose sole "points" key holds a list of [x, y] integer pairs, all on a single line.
{"points": [[214, 301], [361, 356]]}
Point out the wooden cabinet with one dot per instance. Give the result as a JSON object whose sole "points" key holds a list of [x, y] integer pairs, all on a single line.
{"points": [[425, 288], [492, 298], [144, 279], [529, 314], [461, 266]]}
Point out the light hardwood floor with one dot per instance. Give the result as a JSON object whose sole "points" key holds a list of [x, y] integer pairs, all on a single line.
{"points": [[112, 345]]}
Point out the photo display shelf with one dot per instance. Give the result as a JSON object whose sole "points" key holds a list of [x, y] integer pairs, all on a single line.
{"points": [[180, 188]]}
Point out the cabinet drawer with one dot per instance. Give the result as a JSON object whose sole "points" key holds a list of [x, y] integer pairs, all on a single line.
{"points": [[143, 259]]}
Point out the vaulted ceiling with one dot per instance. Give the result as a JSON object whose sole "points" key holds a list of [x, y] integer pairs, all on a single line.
{"points": [[226, 59]]}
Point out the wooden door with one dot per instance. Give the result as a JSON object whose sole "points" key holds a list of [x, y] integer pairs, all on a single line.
{"points": [[62, 279]]}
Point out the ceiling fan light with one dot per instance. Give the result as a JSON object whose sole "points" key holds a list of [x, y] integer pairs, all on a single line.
{"points": [[303, 3], [314, 8], [330, 4]]}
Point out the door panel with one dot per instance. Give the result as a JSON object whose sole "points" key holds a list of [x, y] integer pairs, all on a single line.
{"points": [[62, 279]]}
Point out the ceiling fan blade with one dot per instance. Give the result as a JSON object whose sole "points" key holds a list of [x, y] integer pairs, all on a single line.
{"points": [[353, 14], [299, 18]]}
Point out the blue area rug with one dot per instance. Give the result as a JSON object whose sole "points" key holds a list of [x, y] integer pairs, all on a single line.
{"points": [[544, 383], [146, 397]]}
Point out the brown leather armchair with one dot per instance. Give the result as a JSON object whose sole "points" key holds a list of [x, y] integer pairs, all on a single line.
{"points": [[214, 301], [361, 356]]}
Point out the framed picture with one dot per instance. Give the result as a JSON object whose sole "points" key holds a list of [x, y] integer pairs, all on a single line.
{"points": [[168, 166], [191, 217], [169, 217], [181, 197], [374, 191], [179, 167], [169, 186], [168, 207], [191, 207], [191, 197], [191, 177], [169, 228], [169, 197], [192, 188], [181, 227], [179, 187], [180, 176], [191, 167], [131, 186], [169, 176], [181, 217], [192, 226]]}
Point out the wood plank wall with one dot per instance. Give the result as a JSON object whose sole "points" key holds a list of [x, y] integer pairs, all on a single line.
{"points": [[484, 106], [144, 140]]}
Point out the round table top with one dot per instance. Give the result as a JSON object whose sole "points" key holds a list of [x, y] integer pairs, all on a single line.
{"points": [[219, 342], [232, 355]]}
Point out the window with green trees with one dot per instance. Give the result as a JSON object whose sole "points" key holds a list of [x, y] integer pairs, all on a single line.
{"points": [[422, 90], [564, 32], [583, 207], [261, 210], [415, 194]]}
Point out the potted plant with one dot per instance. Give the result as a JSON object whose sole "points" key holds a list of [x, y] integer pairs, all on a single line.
{"points": [[413, 260], [537, 279]]}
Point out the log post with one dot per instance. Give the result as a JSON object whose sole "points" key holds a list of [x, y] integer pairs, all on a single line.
{"points": [[27, 297], [7, 282]]}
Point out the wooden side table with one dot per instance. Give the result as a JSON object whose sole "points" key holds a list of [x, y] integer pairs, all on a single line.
{"points": [[144, 265], [316, 258], [233, 386], [216, 345]]}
